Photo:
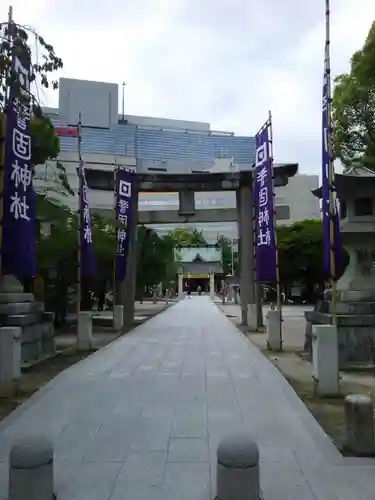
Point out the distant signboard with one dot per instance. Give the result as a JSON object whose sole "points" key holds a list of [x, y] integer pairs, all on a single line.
{"points": [[66, 131]]}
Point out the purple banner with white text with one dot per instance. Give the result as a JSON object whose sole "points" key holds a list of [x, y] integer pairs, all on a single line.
{"points": [[87, 251], [265, 243], [18, 237], [123, 211]]}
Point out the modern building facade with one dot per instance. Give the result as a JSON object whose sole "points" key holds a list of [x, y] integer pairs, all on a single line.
{"points": [[155, 145]]}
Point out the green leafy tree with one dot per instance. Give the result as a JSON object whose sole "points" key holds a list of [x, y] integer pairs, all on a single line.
{"points": [[227, 254], [155, 259], [17, 40], [300, 254], [353, 108], [183, 236]]}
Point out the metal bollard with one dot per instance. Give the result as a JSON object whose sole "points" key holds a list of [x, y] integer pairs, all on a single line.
{"points": [[31, 470], [359, 424], [238, 468]]}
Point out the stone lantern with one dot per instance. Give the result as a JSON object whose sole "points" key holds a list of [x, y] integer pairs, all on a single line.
{"points": [[356, 287]]}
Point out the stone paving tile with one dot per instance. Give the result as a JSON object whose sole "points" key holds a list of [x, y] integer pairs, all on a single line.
{"points": [[189, 427], [137, 491], [188, 450], [94, 481], [187, 481], [142, 418]]}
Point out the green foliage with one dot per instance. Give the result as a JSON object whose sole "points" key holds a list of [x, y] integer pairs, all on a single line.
{"points": [[227, 254], [15, 39], [183, 236], [353, 108], [300, 252], [155, 259], [58, 250], [45, 143]]}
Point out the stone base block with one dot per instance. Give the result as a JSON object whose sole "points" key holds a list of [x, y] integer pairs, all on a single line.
{"points": [[9, 297]]}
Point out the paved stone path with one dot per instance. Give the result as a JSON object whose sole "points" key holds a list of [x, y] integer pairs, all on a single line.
{"points": [[141, 419]]}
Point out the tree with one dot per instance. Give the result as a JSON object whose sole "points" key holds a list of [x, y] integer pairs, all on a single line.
{"points": [[14, 40], [353, 108], [300, 252], [228, 259], [183, 236], [155, 259]]}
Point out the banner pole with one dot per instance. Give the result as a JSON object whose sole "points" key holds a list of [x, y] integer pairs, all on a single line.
{"points": [[116, 292], [3, 125], [80, 194], [278, 287], [331, 175]]}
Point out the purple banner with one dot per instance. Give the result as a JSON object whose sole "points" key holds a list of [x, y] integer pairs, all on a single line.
{"points": [[327, 187], [18, 237], [123, 211], [265, 244], [87, 250]]}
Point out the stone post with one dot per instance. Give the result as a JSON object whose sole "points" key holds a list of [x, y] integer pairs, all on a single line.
{"points": [[274, 337], [325, 360], [359, 422], [238, 468], [31, 470], [84, 330]]}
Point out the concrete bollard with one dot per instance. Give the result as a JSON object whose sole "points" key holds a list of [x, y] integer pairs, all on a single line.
{"points": [[10, 358], [274, 332], [238, 468], [359, 424], [31, 470], [118, 316], [84, 330]]}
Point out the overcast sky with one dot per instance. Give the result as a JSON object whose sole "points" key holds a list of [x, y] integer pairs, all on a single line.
{"points": [[224, 62]]}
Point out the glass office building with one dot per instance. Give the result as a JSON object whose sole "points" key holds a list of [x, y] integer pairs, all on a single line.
{"points": [[155, 145]]}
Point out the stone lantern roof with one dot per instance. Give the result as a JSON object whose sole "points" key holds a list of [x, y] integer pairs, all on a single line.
{"points": [[364, 178]]}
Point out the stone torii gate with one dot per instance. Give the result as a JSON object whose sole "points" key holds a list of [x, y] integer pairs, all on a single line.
{"points": [[186, 185]]}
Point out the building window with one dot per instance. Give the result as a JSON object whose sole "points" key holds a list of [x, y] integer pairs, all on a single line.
{"points": [[363, 207], [282, 212], [100, 180], [343, 209]]}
